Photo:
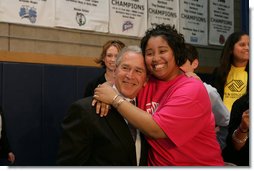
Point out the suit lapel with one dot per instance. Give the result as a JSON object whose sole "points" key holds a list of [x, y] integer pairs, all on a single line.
{"points": [[120, 128]]}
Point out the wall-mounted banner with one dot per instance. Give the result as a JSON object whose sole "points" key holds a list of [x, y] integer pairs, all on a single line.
{"points": [[83, 14], [163, 11], [128, 17], [221, 21], [32, 12], [193, 21]]}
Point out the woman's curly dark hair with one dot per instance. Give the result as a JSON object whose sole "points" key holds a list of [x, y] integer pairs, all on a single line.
{"points": [[174, 39]]}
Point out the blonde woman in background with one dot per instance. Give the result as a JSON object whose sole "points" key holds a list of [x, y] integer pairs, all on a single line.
{"points": [[107, 60]]}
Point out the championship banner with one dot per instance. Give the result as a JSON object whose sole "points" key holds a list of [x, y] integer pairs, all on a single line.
{"points": [[221, 21], [83, 14], [163, 11], [128, 17], [32, 12], [193, 21]]}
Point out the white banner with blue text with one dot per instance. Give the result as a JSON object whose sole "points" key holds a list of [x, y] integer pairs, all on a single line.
{"points": [[32, 12], [163, 11], [194, 21], [128, 17], [83, 14], [221, 21]]}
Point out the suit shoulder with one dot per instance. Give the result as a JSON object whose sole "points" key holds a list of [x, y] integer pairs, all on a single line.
{"points": [[84, 101], [82, 107]]}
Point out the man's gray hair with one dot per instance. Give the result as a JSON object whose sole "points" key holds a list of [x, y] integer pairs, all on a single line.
{"points": [[132, 48]]}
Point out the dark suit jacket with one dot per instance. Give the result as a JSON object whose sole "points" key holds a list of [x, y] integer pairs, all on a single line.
{"points": [[89, 139], [93, 84]]}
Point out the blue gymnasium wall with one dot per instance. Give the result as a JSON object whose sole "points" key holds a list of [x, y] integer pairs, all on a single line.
{"points": [[35, 98], [245, 16]]}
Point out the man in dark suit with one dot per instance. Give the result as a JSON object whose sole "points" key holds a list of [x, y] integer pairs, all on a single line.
{"points": [[91, 140]]}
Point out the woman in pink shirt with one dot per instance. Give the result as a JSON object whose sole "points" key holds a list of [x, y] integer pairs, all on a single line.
{"points": [[174, 111]]}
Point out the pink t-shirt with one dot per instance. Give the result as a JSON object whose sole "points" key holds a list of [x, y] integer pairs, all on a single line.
{"points": [[181, 107]]}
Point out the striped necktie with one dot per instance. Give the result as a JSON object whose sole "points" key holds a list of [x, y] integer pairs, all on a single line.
{"points": [[132, 129]]}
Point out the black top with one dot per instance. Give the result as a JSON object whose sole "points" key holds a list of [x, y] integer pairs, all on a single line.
{"points": [[241, 157], [93, 84]]}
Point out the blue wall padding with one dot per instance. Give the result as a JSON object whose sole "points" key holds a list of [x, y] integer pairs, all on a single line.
{"points": [[35, 98]]}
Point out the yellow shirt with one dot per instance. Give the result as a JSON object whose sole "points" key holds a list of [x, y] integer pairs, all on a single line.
{"points": [[236, 85]]}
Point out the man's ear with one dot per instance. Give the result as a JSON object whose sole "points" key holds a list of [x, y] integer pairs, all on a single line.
{"points": [[147, 78], [195, 64], [144, 84]]}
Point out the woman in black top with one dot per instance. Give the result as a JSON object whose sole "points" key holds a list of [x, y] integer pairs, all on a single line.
{"points": [[237, 149], [107, 59]]}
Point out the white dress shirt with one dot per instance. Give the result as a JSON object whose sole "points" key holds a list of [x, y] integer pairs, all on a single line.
{"points": [[138, 139]]}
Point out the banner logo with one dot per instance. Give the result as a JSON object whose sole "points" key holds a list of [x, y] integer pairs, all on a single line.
{"points": [[193, 39], [222, 39], [80, 18], [127, 25], [29, 13]]}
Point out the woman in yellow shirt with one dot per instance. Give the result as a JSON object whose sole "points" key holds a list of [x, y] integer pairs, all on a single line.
{"points": [[231, 77]]}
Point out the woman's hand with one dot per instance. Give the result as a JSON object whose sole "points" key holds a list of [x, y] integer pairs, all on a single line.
{"points": [[192, 74], [240, 135], [244, 125], [101, 108], [104, 90], [104, 93], [11, 157]]}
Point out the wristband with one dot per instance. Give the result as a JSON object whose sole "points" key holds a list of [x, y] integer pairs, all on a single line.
{"points": [[114, 99], [237, 139], [117, 101]]}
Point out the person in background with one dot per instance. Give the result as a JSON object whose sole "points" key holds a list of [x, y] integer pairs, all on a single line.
{"points": [[219, 110], [237, 149], [107, 60], [5, 150], [176, 118], [231, 77], [88, 139]]}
